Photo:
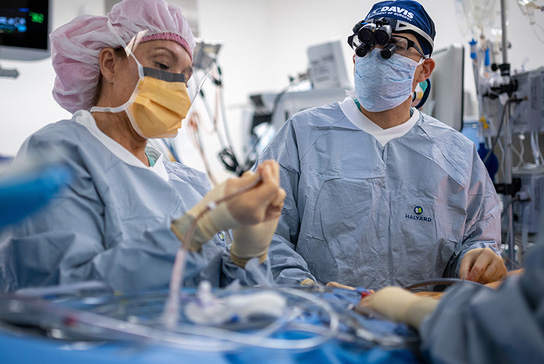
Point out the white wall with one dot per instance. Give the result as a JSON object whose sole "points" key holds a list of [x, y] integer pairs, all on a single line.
{"points": [[264, 42]]}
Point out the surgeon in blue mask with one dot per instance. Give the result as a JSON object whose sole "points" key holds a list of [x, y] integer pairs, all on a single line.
{"points": [[378, 193]]}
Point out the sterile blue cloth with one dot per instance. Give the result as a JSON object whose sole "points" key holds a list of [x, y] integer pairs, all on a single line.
{"points": [[20, 349], [359, 340], [113, 223], [481, 325], [368, 215]]}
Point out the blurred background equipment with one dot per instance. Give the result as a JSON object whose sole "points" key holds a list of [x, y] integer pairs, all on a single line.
{"points": [[325, 81], [445, 101], [510, 102], [327, 67], [24, 30], [528, 114]]}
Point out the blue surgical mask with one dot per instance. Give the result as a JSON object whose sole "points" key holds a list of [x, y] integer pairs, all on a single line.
{"points": [[383, 84]]}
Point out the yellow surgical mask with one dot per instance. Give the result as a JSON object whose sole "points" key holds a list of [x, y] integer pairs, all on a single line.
{"points": [[157, 105]]}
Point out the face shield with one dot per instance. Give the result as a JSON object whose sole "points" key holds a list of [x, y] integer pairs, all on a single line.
{"points": [[204, 59]]}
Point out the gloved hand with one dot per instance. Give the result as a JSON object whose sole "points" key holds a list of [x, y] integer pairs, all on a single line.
{"points": [[218, 219], [248, 208], [400, 305], [482, 265], [252, 241]]}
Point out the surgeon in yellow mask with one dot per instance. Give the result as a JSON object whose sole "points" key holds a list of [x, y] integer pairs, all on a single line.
{"points": [[159, 101], [123, 76]]}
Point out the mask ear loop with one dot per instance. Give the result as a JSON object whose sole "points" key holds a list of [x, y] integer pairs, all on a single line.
{"points": [[427, 90], [426, 94], [128, 50], [131, 45]]}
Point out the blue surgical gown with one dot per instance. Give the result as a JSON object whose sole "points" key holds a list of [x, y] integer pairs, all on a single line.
{"points": [[113, 223], [368, 215], [481, 325]]}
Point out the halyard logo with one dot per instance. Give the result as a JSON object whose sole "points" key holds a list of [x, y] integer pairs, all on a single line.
{"points": [[418, 211]]}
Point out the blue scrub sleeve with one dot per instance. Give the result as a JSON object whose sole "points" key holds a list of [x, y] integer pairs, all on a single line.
{"points": [[85, 235], [482, 228], [288, 267], [64, 245], [221, 271], [481, 325]]}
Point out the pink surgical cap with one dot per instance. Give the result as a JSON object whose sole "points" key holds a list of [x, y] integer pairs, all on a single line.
{"points": [[75, 46]]}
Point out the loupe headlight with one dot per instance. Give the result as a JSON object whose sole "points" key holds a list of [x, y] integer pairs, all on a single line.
{"points": [[382, 35], [363, 49], [366, 33], [379, 31], [387, 51]]}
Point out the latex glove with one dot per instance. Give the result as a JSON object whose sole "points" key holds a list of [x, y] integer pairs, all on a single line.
{"points": [[308, 282], [210, 223], [252, 241], [247, 208], [399, 305], [482, 265]]}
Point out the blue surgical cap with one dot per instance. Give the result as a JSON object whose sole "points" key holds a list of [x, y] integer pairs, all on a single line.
{"points": [[410, 12]]}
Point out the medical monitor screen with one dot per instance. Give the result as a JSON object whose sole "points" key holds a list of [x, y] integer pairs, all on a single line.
{"points": [[24, 29]]}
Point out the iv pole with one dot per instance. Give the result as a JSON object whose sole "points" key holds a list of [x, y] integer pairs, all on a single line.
{"points": [[507, 173]]}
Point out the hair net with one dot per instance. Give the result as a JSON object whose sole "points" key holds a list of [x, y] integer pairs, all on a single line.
{"points": [[410, 12], [75, 46]]}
